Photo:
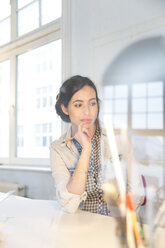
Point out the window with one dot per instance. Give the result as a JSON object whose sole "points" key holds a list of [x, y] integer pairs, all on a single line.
{"points": [[143, 105], [26, 24], [116, 104], [41, 12], [38, 80], [43, 134], [30, 77], [147, 106], [5, 18], [4, 107]]}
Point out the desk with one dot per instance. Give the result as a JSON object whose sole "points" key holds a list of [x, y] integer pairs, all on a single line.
{"points": [[43, 224]]}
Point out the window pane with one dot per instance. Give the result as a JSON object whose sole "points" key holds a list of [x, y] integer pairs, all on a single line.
{"points": [[139, 105], [120, 121], [4, 31], [108, 92], [121, 106], [155, 121], [26, 24], [108, 106], [106, 118], [149, 148], [121, 91], [38, 71], [4, 9], [155, 104], [21, 3], [155, 147], [139, 90], [155, 89], [139, 121], [4, 108], [51, 10]]}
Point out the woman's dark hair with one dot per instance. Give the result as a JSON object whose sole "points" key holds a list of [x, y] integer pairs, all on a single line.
{"points": [[68, 89]]}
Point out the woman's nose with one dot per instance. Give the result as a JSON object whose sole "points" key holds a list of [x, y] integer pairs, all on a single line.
{"points": [[86, 110]]}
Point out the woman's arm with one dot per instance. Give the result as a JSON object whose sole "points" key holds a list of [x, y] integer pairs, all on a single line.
{"points": [[70, 202], [77, 183]]}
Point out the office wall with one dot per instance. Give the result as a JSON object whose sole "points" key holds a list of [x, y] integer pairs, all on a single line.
{"points": [[38, 184], [102, 29]]}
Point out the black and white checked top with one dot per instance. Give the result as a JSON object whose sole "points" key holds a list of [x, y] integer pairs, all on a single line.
{"points": [[94, 202]]}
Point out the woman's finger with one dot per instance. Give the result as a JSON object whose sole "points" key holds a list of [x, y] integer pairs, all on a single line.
{"points": [[87, 132]]}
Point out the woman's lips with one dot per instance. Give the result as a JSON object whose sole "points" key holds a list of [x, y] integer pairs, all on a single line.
{"points": [[86, 120]]}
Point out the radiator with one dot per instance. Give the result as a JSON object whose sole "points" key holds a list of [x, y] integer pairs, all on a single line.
{"points": [[19, 189]]}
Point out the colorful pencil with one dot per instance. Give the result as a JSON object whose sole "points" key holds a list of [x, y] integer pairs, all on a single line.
{"points": [[65, 141], [133, 218]]}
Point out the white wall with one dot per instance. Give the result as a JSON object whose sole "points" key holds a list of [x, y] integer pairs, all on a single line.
{"points": [[38, 184], [102, 28]]}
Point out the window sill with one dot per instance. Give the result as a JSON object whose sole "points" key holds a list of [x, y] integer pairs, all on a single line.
{"points": [[25, 168]]}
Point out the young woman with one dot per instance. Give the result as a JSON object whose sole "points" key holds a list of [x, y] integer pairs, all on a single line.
{"points": [[78, 157]]}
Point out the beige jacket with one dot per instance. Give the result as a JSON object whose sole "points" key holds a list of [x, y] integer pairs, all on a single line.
{"points": [[64, 158]]}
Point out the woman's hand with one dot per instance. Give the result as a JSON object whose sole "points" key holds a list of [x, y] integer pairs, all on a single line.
{"points": [[83, 136]]}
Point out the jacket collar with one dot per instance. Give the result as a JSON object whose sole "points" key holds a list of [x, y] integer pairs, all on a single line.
{"points": [[69, 144]]}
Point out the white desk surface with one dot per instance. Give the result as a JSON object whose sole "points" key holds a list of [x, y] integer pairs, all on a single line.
{"points": [[43, 224]]}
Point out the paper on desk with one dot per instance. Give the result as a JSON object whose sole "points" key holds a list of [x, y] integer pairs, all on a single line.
{"points": [[29, 222], [4, 196]]}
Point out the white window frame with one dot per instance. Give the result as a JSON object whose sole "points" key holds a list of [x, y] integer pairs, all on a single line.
{"points": [[152, 132], [143, 132], [58, 29]]}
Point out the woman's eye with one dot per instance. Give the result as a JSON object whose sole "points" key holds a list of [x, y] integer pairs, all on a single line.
{"points": [[78, 105], [93, 103]]}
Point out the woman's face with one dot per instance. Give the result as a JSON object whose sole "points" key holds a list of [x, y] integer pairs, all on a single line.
{"points": [[83, 107]]}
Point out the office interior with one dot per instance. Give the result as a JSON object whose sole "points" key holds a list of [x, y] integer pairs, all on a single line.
{"points": [[119, 44]]}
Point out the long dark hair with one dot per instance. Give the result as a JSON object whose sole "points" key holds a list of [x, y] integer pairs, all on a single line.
{"points": [[68, 89]]}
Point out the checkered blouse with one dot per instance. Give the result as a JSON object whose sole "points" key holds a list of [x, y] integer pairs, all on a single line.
{"points": [[94, 202]]}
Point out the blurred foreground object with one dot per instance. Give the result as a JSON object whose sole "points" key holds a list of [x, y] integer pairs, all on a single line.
{"points": [[130, 228], [2, 235]]}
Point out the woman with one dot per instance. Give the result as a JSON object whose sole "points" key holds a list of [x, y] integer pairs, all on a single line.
{"points": [[77, 156]]}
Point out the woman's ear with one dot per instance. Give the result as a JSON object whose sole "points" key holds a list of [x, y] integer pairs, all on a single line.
{"points": [[64, 109]]}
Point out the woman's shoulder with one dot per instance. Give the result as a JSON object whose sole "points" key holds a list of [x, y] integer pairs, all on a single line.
{"points": [[58, 142]]}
